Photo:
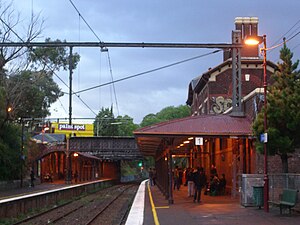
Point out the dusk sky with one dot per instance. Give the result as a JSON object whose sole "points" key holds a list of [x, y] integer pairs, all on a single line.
{"points": [[164, 21]]}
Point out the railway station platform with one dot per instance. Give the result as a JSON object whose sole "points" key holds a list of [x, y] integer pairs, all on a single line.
{"points": [[30, 190], [212, 210]]}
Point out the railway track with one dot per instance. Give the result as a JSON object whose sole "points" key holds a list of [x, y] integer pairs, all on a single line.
{"points": [[107, 206]]}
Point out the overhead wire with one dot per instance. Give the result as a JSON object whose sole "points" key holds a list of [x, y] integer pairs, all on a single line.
{"points": [[286, 33], [288, 38], [109, 60], [113, 84], [44, 62], [285, 41], [148, 71], [79, 52], [85, 21]]}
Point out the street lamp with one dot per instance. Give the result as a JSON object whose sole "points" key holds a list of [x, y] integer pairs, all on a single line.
{"points": [[255, 41]]}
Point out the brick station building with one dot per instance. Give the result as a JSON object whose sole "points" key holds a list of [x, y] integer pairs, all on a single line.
{"points": [[228, 142]]}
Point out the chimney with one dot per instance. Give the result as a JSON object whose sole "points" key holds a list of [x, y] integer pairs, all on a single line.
{"points": [[248, 26]]}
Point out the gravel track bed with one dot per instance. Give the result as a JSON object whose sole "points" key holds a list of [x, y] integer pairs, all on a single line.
{"points": [[81, 211]]}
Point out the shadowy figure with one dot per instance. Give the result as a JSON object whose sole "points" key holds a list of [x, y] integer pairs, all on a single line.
{"points": [[76, 176], [32, 178], [154, 176], [200, 181], [222, 184]]}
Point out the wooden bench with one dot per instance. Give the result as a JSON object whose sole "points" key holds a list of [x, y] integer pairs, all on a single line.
{"points": [[288, 199]]}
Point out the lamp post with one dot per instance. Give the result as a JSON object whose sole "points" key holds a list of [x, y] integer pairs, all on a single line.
{"points": [[256, 41]]}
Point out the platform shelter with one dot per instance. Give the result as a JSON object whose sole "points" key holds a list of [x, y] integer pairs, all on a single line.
{"points": [[221, 140]]}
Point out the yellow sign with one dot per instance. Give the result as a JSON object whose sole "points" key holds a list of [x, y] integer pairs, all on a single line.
{"points": [[79, 130]]}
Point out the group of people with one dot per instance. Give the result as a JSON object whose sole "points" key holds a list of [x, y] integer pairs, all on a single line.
{"points": [[196, 181], [177, 178], [216, 185]]}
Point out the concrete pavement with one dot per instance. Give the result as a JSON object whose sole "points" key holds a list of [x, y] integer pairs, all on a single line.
{"points": [[213, 210]]}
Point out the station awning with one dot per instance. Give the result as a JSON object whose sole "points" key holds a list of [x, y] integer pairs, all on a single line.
{"points": [[151, 139]]}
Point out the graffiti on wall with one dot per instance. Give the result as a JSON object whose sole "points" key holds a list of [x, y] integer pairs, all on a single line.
{"points": [[220, 104]]}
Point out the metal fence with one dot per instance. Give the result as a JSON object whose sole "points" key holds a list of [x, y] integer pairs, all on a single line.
{"points": [[277, 182]]}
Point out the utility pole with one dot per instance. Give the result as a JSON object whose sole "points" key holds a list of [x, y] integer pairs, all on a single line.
{"points": [[236, 75], [70, 84]]}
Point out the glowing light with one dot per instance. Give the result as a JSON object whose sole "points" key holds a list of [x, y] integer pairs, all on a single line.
{"points": [[253, 40], [75, 154]]}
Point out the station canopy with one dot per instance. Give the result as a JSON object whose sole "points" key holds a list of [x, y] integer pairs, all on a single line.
{"points": [[152, 138]]}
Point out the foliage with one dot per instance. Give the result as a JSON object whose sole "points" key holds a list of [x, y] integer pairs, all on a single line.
{"points": [[125, 126], [168, 113], [52, 58], [283, 115], [10, 157], [106, 124], [32, 93]]}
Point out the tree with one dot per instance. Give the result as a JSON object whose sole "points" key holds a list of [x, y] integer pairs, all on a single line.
{"points": [[10, 152], [10, 22], [27, 87], [168, 113], [106, 124], [102, 123], [52, 58], [125, 126], [283, 113], [32, 93]]}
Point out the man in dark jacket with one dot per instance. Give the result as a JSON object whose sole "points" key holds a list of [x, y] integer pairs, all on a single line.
{"points": [[200, 181]]}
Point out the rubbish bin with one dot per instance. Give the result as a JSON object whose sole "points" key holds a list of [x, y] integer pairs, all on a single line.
{"points": [[258, 194]]}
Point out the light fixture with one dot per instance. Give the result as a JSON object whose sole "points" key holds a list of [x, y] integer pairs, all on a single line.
{"points": [[186, 142], [247, 77], [75, 154], [253, 40]]}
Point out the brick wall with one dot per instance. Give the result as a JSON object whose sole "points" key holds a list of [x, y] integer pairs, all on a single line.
{"points": [[275, 165]]}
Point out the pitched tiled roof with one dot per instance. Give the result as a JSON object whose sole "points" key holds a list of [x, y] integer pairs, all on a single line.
{"points": [[152, 138], [200, 125]]}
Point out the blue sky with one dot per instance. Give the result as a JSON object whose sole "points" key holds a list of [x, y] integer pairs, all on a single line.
{"points": [[168, 21]]}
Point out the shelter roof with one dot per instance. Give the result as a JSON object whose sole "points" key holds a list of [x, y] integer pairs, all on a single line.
{"points": [[150, 138]]}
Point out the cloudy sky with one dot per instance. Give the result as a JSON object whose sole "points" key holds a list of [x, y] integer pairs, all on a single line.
{"points": [[165, 21]]}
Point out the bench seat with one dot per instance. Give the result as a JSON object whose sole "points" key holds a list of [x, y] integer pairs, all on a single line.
{"points": [[288, 199], [287, 203]]}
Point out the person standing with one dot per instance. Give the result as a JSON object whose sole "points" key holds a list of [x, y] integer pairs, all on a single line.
{"points": [[176, 178], [190, 181], [32, 178], [151, 176], [200, 181], [154, 176], [76, 176]]}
